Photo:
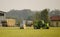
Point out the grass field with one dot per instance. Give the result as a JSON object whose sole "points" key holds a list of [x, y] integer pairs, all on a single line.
{"points": [[29, 32]]}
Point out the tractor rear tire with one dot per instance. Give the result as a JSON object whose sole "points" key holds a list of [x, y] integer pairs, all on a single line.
{"points": [[47, 28]]}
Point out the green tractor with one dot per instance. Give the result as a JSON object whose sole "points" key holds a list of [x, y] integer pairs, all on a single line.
{"points": [[40, 24]]}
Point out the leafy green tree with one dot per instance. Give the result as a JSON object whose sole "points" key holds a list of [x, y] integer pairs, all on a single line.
{"points": [[44, 15], [37, 16]]}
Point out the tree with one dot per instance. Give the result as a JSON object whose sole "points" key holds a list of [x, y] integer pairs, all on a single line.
{"points": [[37, 16], [36, 20], [44, 15]]}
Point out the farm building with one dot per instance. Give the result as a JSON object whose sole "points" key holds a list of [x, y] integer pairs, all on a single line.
{"points": [[11, 22], [2, 17], [55, 21]]}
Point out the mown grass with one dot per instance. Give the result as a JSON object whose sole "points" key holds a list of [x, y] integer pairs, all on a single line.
{"points": [[29, 32]]}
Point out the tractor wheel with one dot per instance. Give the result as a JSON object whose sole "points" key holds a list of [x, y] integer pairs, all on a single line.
{"points": [[35, 27], [21, 27], [47, 28]]}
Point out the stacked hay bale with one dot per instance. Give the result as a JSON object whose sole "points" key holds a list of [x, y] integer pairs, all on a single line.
{"points": [[11, 22]]}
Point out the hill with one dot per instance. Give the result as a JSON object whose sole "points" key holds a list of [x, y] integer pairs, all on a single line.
{"points": [[20, 14]]}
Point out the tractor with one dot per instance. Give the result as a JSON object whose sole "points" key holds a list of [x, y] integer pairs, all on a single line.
{"points": [[40, 24]]}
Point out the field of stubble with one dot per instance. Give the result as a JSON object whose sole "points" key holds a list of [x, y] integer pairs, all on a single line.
{"points": [[29, 32]]}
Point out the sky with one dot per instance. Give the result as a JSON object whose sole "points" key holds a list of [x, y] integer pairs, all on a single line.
{"points": [[6, 5]]}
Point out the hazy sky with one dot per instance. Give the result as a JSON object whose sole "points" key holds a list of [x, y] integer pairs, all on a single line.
{"points": [[6, 5]]}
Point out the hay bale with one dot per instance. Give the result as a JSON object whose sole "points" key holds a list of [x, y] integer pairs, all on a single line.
{"points": [[11, 22]]}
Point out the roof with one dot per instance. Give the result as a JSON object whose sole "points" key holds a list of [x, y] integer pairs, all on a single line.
{"points": [[2, 12], [55, 18]]}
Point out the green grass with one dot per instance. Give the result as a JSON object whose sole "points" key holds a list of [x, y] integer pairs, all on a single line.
{"points": [[29, 32]]}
